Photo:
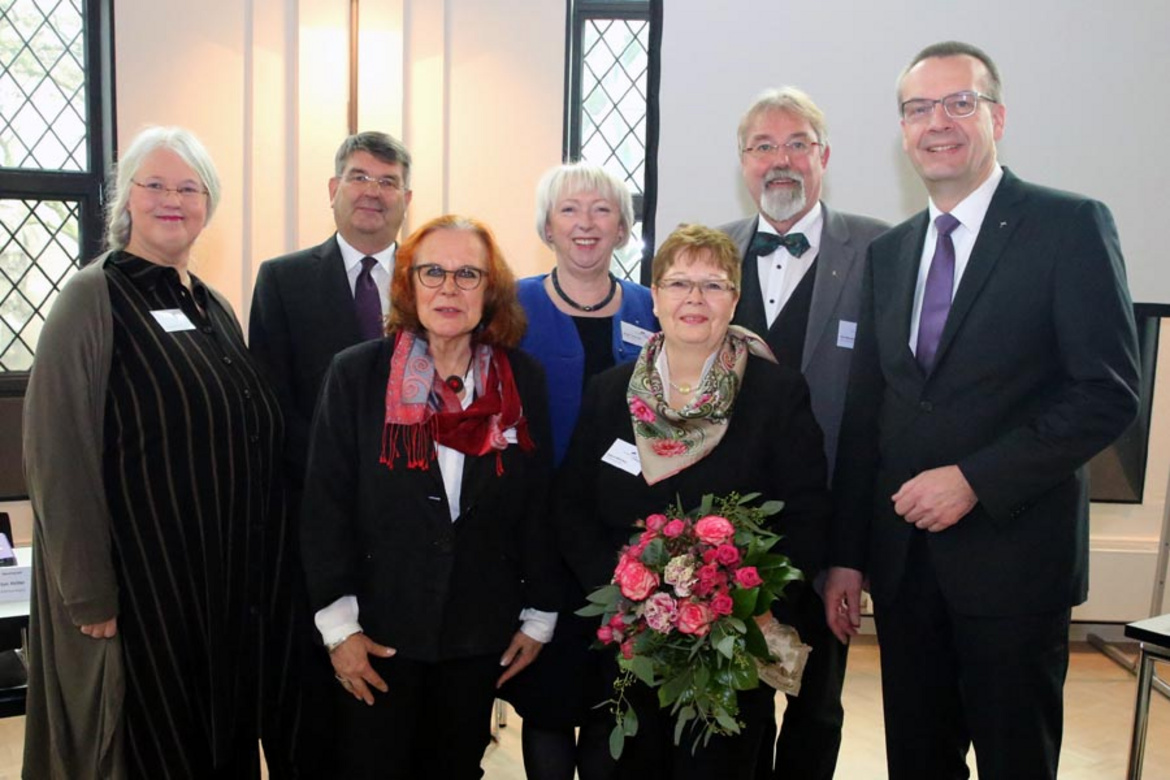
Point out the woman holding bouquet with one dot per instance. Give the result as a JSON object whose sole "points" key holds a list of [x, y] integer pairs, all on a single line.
{"points": [[703, 410], [424, 509]]}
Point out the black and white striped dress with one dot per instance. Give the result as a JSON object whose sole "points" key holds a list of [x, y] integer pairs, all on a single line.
{"points": [[192, 448]]}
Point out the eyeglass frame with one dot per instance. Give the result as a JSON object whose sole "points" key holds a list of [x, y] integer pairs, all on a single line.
{"points": [[673, 287], [479, 274], [364, 180], [974, 95], [159, 191], [791, 149]]}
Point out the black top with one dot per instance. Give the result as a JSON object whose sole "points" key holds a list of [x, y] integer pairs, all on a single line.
{"points": [[431, 588], [596, 334], [192, 437]]}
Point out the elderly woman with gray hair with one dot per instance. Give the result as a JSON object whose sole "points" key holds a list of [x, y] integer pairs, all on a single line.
{"points": [[151, 449]]}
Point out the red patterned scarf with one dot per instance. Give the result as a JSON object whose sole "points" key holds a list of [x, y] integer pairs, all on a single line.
{"points": [[421, 410]]}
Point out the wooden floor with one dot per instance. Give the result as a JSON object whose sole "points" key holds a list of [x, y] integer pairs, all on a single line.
{"points": [[1099, 700]]}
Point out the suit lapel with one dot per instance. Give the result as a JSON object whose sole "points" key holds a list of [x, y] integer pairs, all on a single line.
{"points": [[902, 283], [336, 295], [835, 259], [998, 225], [750, 311]]}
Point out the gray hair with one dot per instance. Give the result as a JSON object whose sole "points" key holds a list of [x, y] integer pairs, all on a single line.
{"points": [[385, 147], [956, 49], [790, 99], [176, 139], [576, 177]]}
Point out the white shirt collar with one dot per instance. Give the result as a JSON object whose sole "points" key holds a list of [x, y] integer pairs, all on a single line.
{"points": [[971, 210], [352, 257]]}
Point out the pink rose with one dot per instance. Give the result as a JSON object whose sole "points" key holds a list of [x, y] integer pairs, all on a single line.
{"points": [[647, 537], [674, 528], [628, 649], [637, 582], [693, 619], [713, 529], [616, 623], [669, 448], [641, 411], [727, 554], [722, 604], [660, 611], [656, 522], [605, 634], [748, 577]]}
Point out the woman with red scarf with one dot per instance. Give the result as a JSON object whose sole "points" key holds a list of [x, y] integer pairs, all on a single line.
{"points": [[425, 537]]}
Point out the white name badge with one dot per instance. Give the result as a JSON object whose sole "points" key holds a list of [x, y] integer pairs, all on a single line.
{"points": [[846, 334], [172, 320], [632, 334], [623, 455]]}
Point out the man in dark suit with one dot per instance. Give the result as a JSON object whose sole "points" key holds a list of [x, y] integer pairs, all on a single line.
{"points": [[996, 354], [311, 304], [801, 289], [307, 307]]}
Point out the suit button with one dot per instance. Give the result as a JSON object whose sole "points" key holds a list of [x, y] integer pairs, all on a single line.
{"points": [[926, 406]]}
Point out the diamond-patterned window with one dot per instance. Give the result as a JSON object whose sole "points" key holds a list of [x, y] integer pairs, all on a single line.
{"points": [[39, 251], [612, 65], [56, 131]]}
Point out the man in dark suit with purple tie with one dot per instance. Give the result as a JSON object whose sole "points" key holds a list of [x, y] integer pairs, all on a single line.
{"points": [[996, 354], [311, 304], [307, 307]]}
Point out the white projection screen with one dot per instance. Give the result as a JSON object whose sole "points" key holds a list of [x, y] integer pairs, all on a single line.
{"points": [[1087, 90]]}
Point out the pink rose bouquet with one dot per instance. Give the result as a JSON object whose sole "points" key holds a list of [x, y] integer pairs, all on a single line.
{"points": [[680, 612]]}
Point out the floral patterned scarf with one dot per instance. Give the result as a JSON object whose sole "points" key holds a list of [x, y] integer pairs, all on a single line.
{"points": [[421, 410], [669, 440]]}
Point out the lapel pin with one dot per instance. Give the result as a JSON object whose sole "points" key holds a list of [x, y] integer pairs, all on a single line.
{"points": [[1003, 224]]}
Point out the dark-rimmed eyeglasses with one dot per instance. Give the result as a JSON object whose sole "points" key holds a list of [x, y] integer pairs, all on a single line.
{"points": [[434, 275], [960, 105], [798, 147], [188, 193]]}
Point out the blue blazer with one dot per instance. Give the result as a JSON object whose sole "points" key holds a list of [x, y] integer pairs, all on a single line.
{"points": [[552, 339]]}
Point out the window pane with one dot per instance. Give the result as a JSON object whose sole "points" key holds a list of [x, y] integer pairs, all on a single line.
{"points": [[627, 261], [42, 86], [39, 251], [615, 55]]}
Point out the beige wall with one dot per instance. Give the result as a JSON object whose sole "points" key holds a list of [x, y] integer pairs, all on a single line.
{"points": [[473, 87]]}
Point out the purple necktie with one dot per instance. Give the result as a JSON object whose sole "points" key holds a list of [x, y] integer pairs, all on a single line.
{"points": [[936, 297], [367, 302]]}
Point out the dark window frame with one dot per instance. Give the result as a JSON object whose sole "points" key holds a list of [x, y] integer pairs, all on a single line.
{"points": [[84, 187], [578, 13]]}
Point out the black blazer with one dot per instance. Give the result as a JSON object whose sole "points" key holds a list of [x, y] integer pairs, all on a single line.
{"points": [[772, 446], [302, 315], [1037, 371], [431, 588]]}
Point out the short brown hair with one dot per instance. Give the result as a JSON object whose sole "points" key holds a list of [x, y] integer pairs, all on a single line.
{"points": [[503, 320], [994, 84], [696, 239]]}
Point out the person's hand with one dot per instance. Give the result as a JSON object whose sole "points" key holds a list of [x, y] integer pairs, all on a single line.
{"points": [[106, 630], [520, 653], [935, 499], [843, 602], [351, 666]]}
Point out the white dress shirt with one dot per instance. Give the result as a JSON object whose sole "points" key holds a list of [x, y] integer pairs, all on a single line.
{"points": [[970, 212], [380, 272], [780, 272]]}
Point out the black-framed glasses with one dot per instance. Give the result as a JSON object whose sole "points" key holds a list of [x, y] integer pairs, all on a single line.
{"points": [[798, 147], [434, 275], [959, 105], [364, 180], [708, 288], [188, 193]]}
